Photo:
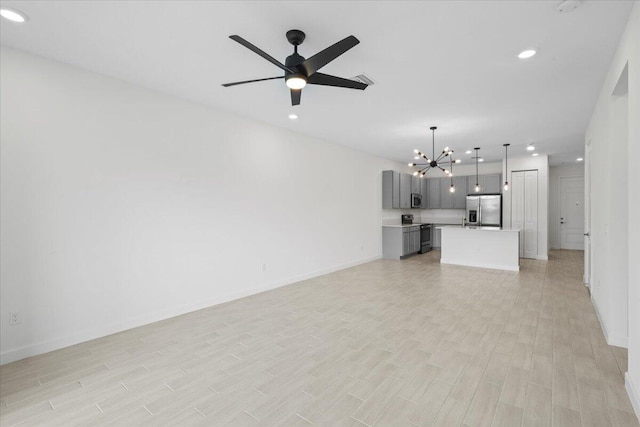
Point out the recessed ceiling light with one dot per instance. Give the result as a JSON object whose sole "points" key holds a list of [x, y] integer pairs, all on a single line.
{"points": [[467, 152], [579, 159], [293, 116], [534, 154], [527, 53], [13, 15], [530, 148]]}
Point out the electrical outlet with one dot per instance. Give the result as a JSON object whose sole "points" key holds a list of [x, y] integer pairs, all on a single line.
{"points": [[13, 318]]}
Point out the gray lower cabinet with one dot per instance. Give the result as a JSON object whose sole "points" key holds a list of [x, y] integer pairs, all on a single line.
{"points": [[400, 241], [436, 237]]}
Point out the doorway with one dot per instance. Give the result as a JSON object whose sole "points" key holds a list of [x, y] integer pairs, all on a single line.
{"points": [[571, 213]]}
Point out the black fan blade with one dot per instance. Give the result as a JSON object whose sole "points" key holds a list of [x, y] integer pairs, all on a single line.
{"points": [[295, 96], [327, 80], [251, 81], [323, 57], [260, 52]]}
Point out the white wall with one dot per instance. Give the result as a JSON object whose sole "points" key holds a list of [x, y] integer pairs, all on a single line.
{"points": [[555, 173], [541, 164], [122, 206], [615, 150]]}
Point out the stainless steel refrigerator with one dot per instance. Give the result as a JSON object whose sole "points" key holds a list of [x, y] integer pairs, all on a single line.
{"points": [[484, 210]]}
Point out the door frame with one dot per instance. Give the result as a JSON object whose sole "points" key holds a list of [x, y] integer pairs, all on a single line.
{"points": [[586, 278]]}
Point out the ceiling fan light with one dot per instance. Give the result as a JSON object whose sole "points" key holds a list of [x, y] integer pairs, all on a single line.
{"points": [[527, 53], [296, 81], [13, 15]]}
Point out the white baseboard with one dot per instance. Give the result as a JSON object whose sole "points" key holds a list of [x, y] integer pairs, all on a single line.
{"points": [[87, 335], [634, 394], [617, 341]]}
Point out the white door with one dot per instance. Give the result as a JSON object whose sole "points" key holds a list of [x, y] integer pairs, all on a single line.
{"points": [[517, 206], [572, 213], [531, 214], [524, 210]]}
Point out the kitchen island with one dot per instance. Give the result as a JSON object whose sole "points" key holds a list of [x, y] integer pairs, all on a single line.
{"points": [[486, 247]]}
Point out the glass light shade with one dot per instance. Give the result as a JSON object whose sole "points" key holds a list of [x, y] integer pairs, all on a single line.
{"points": [[506, 186], [296, 82], [477, 189], [452, 189]]}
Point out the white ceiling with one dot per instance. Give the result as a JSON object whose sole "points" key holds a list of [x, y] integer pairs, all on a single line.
{"points": [[447, 63]]}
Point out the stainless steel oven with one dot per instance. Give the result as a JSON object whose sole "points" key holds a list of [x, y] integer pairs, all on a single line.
{"points": [[425, 238]]}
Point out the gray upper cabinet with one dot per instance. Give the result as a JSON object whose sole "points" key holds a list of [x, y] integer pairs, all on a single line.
{"points": [[390, 190], [488, 183], [446, 197], [492, 183], [405, 191], [415, 184], [434, 193], [424, 191], [396, 190], [460, 196], [457, 199]]}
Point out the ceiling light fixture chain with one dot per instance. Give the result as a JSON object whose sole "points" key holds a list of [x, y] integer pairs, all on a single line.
{"points": [[432, 162], [506, 167], [477, 187]]}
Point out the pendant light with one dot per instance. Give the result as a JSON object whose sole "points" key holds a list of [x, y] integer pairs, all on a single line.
{"points": [[477, 187], [452, 188], [506, 168], [432, 162]]}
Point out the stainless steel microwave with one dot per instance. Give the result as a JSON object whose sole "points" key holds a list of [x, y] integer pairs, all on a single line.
{"points": [[416, 200]]}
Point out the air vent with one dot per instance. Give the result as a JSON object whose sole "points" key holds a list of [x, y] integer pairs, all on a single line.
{"points": [[567, 6], [363, 78]]}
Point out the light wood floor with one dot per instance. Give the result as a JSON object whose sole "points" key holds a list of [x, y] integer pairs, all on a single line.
{"points": [[382, 344]]}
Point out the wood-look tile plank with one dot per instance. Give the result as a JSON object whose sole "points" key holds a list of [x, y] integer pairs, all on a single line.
{"points": [[507, 416], [376, 340], [483, 406]]}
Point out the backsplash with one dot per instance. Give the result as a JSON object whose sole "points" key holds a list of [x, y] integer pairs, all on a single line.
{"points": [[432, 216]]}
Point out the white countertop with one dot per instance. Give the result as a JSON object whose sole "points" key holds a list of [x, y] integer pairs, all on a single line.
{"points": [[475, 228]]}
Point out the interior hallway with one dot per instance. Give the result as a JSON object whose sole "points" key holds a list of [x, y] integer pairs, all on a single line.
{"points": [[384, 343]]}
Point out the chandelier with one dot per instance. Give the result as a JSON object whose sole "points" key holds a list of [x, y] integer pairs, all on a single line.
{"points": [[432, 162]]}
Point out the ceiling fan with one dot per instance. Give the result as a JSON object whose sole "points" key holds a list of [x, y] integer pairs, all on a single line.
{"points": [[298, 71]]}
